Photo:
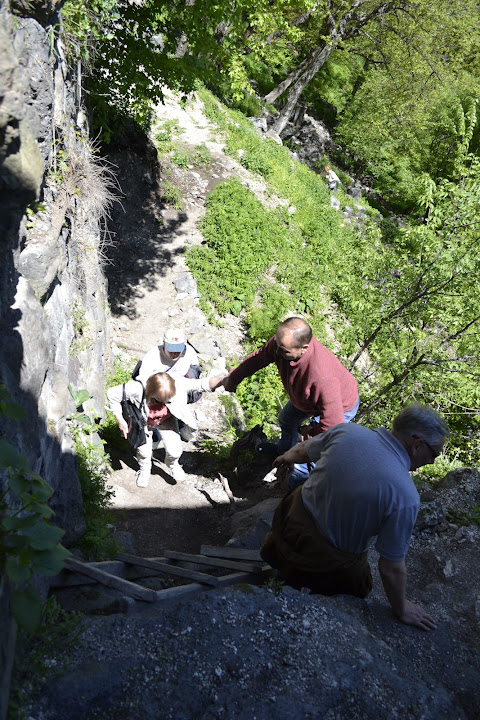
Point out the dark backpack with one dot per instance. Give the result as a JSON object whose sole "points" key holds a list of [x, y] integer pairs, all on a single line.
{"points": [[134, 419], [136, 370], [193, 372]]}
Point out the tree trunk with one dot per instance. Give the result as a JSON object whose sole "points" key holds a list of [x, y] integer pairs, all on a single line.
{"points": [[276, 92], [316, 60], [344, 26]]}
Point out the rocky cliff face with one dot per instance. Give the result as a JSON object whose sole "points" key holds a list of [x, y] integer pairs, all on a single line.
{"points": [[54, 319], [53, 296]]}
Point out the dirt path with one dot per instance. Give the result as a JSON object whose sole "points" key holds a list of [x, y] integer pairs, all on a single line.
{"points": [[147, 258]]}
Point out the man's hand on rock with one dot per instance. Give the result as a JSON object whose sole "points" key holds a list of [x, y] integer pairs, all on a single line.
{"points": [[282, 461], [415, 615]]}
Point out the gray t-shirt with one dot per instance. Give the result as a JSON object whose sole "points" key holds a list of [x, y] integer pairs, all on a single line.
{"points": [[360, 489]]}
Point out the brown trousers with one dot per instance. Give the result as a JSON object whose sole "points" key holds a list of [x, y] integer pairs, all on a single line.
{"points": [[306, 559]]}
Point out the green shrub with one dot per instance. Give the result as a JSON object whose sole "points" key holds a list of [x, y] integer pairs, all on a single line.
{"points": [[242, 240], [216, 449], [172, 196], [180, 159], [213, 109], [255, 161], [29, 544], [93, 472], [164, 134], [436, 472], [202, 155], [262, 396], [263, 318], [122, 371], [58, 629], [466, 517]]}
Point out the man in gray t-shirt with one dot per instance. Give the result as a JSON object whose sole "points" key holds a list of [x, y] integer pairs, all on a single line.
{"points": [[360, 493]]}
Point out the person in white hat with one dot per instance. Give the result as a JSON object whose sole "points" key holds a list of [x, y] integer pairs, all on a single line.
{"points": [[174, 355], [177, 358]]}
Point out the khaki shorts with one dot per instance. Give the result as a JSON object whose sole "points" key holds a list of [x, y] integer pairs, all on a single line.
{"points": [[306, 559]]}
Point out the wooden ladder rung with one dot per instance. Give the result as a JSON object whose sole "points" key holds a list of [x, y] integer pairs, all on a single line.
{"points": [[168, 569], [214, 562], [125, 586], [231, 552]]}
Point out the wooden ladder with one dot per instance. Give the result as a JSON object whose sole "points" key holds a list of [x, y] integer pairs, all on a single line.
{"points": [[245, 566]]}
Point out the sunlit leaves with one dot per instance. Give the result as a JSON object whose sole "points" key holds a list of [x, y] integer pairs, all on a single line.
{"points": [[29, 544]]}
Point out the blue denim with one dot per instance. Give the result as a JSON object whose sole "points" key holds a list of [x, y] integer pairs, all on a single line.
{"points": [[301, 471], [290, 419]]}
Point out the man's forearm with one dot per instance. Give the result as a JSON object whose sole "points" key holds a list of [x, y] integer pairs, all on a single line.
{"points": [[256, 361], [296, 454], [394, 579]]}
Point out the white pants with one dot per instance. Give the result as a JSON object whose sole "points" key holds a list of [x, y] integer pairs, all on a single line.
{"points": [[171, 440]]}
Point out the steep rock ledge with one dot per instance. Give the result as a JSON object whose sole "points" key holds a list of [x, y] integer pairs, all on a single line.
{"points": [[53, 295]]}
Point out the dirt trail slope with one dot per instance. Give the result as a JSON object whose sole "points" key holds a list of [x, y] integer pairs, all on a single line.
{"points": [[147, 259]]}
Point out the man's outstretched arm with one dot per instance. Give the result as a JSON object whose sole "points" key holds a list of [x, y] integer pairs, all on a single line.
{"points": [[296, 454], [256, 361], [394, 579]]}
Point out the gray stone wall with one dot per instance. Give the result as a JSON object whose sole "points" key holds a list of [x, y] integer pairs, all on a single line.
{"points": [[54, 327]]}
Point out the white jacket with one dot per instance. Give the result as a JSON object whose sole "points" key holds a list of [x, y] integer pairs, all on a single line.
{"points": [[156, 361], [177, 405], [332, 178]]}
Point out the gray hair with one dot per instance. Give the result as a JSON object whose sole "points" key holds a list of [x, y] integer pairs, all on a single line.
{"points": [[421, 420]]}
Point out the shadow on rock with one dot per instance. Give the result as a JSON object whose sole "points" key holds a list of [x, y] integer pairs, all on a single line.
{"points": [[136, 248]]}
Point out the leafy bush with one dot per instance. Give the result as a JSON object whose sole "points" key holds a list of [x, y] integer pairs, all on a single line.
{"points": [[202, 155], [58, 629], [163, 136], [437, 471], [180, 159], [216, 449], [123, 367], [93, 473], [172, 196], [262, 396], [263, 318], [466, 517], [242, 240], [29, 544]]}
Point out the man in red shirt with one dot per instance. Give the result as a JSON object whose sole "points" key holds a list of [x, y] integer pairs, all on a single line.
{"points": [[316, 382]]}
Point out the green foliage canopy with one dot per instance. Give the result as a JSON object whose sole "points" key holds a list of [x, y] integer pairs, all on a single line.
{"points": [[400, 302]]}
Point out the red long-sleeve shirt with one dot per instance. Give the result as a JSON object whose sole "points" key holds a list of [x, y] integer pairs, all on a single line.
{"points": [[317, 383]]}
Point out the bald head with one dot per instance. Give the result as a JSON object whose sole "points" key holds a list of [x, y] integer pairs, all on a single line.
{"points": [[293, 337], [297, 329]]}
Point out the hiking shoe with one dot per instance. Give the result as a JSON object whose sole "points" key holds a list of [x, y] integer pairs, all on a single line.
{"points": [[186, 433], [177, 472], [143, 476], [269, 449]]}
